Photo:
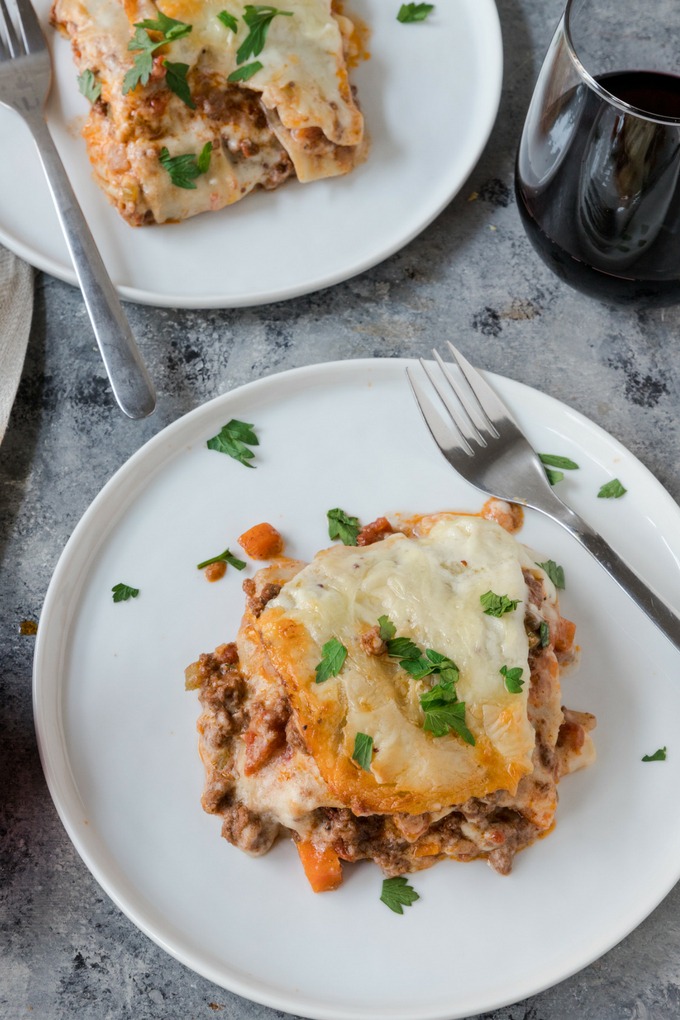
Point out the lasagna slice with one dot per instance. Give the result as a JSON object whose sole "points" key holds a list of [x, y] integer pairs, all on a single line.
{"points": [[397, 701], [198, 102]]}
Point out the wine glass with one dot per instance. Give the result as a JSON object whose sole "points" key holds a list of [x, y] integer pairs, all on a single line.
{"points": [[598, 167]]}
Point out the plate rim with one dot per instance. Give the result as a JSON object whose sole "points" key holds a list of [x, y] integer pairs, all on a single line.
{"points": [[142, 916], [486, 12]]}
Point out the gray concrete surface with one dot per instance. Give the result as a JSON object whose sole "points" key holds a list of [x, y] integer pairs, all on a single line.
{"points": [[65, 949]]}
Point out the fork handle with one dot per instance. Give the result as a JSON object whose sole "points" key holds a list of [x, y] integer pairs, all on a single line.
{"points": [[645, 597], [130, 381]]}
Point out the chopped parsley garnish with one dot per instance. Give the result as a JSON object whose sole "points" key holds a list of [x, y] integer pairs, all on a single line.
{"points": [[145, 47], [342, 526], [553, 476], [89, 86], [513, 678], [431, 662], [123, 592], [363, 751], [234, 438], [544, 634], [659, 755], [403, 648], [397, 894], [497, 605], [414, 12], [245, 72], [554, 572], [386, 628], [176, 80], [225, 557], [554, 460], [443, 711], [333, 658], [612, 490], [228, 20], [185, 169], [258, 18]]}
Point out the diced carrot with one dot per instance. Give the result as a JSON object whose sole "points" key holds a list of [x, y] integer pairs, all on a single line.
{"points": [[564, 635], [322, 867], [261, 542]]}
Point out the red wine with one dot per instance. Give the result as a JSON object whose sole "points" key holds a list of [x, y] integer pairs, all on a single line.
{"points": [[598, 189]]}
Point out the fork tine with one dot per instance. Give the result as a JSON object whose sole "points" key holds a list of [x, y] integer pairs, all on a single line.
{"points": [[4, 48], [13, 43], [479, 421], [489, 403], [463, 422], [34, 39], [441, 434]]}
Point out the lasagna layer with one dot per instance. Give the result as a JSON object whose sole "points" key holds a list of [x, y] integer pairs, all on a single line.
{"points": [[296, 116], [278, 745]]}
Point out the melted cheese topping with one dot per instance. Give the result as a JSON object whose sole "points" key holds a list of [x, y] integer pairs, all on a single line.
{"points": [[296, 113], [429, 585]]}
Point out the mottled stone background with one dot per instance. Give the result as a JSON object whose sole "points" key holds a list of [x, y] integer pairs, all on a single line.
{"points": [[65, 949]]}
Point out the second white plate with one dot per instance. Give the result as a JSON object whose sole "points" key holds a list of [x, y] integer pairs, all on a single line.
{"points": [[117, 730], [429, 92]]}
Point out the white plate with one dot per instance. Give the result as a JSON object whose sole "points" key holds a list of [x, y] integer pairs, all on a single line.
{"points": [[430, 94], [117, 730]]}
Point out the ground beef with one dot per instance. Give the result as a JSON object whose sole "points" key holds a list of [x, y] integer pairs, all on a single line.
{"points": [[258, 600], [535, 586], [247, 830], [222, 689]]}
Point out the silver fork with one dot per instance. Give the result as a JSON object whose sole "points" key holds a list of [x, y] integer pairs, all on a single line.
{"points": [[25, 81], [482, 441]]}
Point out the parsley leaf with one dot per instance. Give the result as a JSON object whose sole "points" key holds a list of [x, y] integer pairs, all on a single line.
{"points": [[443, 716], [387, 629], [497, 605], [169, 28], [225, 557], [228, 20], [612, 490], [414, 12], [554, 572], [123, 592], [431, 662], [145, 46], [554, 460], [403, 648], [246, 72], [397, 894], [443, 691], [234, 438], [89, 86], [176, 80], [333, 654], [143, 64], [513, 678], [342, 526], [186, 168], [659, 755], [544, 634], [363, 751], [258, 18], [553, 476]]}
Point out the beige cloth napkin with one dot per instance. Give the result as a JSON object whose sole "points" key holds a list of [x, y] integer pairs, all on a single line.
{"points": [[16, 311]]}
